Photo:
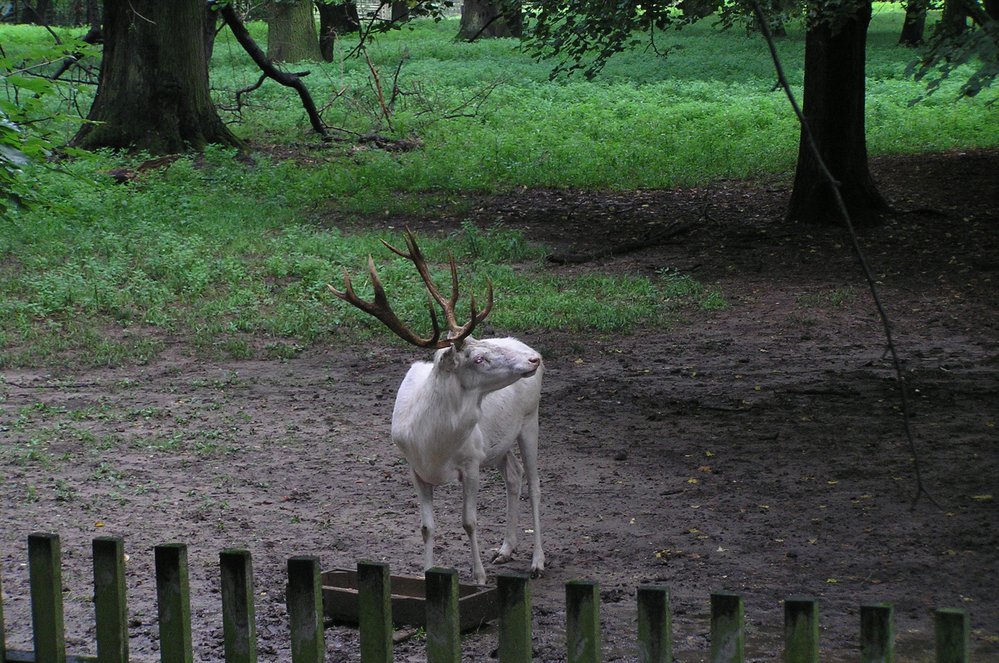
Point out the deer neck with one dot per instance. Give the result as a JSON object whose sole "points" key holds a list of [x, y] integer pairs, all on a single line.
{"points": [[454, 407]]}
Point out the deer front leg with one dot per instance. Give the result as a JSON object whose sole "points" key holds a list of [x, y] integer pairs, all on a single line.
{"points": [[513, 474], [470, 492], [425, 494], [528, 442]]}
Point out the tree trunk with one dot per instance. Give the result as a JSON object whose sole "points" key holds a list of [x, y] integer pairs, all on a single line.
{"points": [[915, 23], [490, 18], [400, 12], [95, 17], [211, 29], [153, 90], [291, 32], [334, 20], [697, 9], [38, 12], [834, 92]]}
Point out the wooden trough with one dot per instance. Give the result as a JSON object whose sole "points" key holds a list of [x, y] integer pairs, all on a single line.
{"points": [[476, 603]]}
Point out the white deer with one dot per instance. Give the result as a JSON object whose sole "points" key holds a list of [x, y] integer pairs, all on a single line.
{"points": [[468, 408]]}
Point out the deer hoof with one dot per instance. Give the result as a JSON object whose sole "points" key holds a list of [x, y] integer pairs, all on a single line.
{"points": [[500, 558]]}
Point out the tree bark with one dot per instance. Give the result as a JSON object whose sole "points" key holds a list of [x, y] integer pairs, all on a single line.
{"points": [[915, 23], [211, 29], [400, 12], [335, 19], [153, 90], [954, 18], [291, 32], [490, 18], [834, 91]]}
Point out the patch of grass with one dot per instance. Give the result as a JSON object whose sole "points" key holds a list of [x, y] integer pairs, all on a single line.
{"points": [[234, 258]]}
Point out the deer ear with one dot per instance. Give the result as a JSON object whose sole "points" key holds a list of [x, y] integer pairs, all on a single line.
{"points": [[447, 358]]}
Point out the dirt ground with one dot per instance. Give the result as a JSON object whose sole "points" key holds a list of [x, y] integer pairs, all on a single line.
{"points": [[757, 449]]}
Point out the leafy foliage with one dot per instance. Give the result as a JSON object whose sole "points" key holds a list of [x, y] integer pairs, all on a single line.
{"points": [[951, 51], [26, 137]]}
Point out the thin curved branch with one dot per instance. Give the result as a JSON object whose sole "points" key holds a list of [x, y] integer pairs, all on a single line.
{"points": [[868, 275], [242, 35]]}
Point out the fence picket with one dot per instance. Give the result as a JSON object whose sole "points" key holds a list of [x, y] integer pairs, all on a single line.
{"points": [[443, 625], [3, 629], [952, 635], [45, 571], [582, 627], [727, 628], [801, 631], [655, 625], [305, 610], [173, 599], [374, 612], [239, 622], [514, 596], [877, 634], [110, 602]]}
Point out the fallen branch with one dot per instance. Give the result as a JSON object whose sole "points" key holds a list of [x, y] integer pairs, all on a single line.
{"points": [[655, 238], [242, 35]]}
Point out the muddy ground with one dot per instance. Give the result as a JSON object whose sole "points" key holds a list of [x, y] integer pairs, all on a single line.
{"points": [[757, 449]]}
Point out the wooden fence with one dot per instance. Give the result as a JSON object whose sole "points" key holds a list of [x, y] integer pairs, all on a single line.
{"points": [[305, 612]]}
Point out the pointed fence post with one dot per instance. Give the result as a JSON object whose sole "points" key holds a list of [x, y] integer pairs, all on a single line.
{"points": [[582, 626], [3, 629], [443, 624], [801, 631], [514, 596], [374, 610], [45, 572], [305, 610], [952, 635], [877, 634], [727, 628], [173, 598], [239, 623], [655, 625], [110, 602]]}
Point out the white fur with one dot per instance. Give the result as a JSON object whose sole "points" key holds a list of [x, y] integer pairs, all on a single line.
{"points": [[466, 409]]}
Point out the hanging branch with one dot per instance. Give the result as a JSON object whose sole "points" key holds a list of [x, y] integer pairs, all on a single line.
{"points": [[841, 207], [242, 35]]}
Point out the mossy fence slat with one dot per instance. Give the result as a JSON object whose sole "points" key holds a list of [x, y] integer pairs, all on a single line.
{"points": [[305, 615]]}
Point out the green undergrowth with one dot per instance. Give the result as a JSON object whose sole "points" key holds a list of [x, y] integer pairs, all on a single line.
{"points": [[234, 262], [232, 256]]}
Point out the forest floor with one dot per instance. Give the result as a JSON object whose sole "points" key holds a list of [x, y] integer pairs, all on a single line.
{"points": [[757, 449]]}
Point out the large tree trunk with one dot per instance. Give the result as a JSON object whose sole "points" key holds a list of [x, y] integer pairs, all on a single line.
{"points": [[490, 18], [37, 11], [399, 12], [291, 32], [335, 19], [915, 23], [834, 92], [153, 91], [954, 18], [211, 29]]}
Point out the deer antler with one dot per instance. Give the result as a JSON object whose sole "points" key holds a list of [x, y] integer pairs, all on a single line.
{"points": [[380, 308]]}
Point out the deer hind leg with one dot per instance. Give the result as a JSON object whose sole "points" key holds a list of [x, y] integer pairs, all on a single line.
{"points": [[512, 471], [528, 441], [425, 494]]}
